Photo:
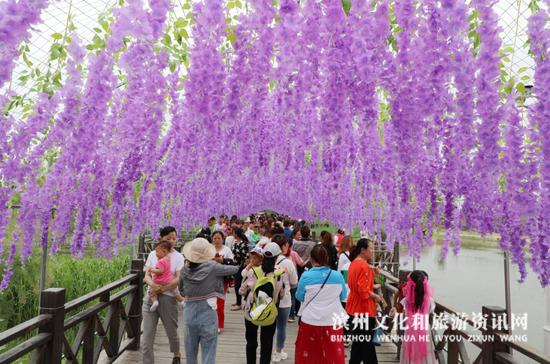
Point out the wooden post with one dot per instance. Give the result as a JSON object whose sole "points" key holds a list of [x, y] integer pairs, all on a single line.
{"points": [[395, 270], [491, 345], [135, 309], [141, 246], [52, 301]]}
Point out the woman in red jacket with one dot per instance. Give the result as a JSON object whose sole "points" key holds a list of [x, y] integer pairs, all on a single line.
{"points": [[361, 304]]}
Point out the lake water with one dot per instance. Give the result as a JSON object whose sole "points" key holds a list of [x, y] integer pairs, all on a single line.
{"points": [[475, 277]]}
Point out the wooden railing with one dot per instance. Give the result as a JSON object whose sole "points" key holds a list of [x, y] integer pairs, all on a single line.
{"points": [[495, 349], [107, 336], [108, 322]]}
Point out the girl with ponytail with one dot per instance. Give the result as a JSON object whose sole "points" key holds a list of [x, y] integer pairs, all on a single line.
{"points": [[417, 347]]}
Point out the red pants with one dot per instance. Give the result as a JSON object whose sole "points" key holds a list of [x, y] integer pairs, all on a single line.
{"points": [[319, 345], [220, 303]]}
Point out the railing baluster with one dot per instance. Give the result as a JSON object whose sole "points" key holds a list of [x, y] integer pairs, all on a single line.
{"points": [[463, 353], [114, 327], [88, 341], [452, 349]]}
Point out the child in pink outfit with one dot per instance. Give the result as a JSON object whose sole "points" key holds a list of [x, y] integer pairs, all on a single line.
{"points": [[163, 272]]}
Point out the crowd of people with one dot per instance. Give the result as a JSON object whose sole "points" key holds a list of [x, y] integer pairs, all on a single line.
{"points": [[279, 275]]}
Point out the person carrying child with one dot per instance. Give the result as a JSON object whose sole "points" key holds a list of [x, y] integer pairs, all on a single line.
{"points": [[162, 272]]}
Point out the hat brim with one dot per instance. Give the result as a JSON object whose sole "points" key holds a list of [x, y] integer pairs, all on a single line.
{"points": [[198, 257]]}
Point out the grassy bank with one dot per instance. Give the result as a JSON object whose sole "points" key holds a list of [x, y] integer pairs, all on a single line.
{"points": [[20, 301]]}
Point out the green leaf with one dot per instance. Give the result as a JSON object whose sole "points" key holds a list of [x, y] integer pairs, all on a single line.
{"points": [[505, 50], [98, 42], [534, 6], [477, 40], [180, 23], [232, 37], [57, 36], [346, 4], [23, 79], [184, 34], [523, 69], [55, 52], [105, 26], [26, 59], [520, 87]]}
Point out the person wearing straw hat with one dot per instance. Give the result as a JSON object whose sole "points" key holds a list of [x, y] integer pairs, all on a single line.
{"points": [[202, 283]]}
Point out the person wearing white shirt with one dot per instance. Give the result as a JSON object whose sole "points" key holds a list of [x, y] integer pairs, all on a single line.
{"points": [[230, 239], [283, 313], [344, 251], [224, 255], [168, 306]]}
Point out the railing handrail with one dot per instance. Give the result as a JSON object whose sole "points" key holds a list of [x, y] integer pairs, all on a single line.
{"points": [[23, 328], [26, 347], [50, 342], [80, 301], [526, 350], [81, 316]]}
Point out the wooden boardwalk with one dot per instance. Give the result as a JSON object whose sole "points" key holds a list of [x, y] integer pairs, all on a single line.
{"points": [[231, 342]]}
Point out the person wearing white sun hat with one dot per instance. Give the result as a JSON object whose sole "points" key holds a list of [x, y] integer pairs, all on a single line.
{"points": [[202, 282]]}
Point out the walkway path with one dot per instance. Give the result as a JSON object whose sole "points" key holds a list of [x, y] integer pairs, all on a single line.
{"points": [[231, 343]]}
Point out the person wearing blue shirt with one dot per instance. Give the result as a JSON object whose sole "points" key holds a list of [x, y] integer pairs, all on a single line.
{"points": [[321, 290], [287, 229]]}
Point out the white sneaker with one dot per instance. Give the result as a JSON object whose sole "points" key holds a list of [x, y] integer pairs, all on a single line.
{"points": [[276, 357], [154, 306], [283, 355]]}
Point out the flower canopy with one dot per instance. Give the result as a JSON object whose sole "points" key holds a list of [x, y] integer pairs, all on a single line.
{"points": [[394, 116]]}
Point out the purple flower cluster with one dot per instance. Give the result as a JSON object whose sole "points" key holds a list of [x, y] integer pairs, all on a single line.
{"points": [[539, 228], [385, 118], [16, 19]]}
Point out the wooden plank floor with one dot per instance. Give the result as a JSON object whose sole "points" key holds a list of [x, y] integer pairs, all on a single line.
{"points": [[231, 342]]}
